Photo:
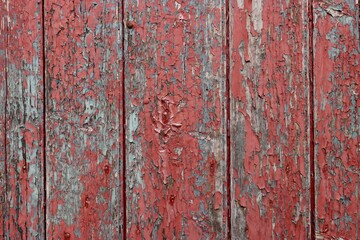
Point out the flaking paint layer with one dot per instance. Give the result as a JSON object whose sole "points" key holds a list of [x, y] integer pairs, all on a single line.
{"points": [[269, 120], [176, 143], [337, 125], [83, 83], [24, 214]]}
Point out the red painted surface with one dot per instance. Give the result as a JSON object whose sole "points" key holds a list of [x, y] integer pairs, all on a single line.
{"points": [[24, 191], [83, 122], [176, 146], [269, 120], [230, 119], [337, 119]]}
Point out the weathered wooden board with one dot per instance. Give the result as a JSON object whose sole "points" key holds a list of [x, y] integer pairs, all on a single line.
{"points": [[284, 75], [24, 218], [175, 124], [3, 44], [269, 111], [83, 119], [337, 118]]}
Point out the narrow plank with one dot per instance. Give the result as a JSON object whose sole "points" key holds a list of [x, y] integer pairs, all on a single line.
{"points": [[337, 118], [83, 119], [3, 45], [24, 122], [269, 119], [175, 120]]}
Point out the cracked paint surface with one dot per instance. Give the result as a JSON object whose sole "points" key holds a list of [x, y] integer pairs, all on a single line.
{"points": [[337, 118], [83, 83], [175, 161], [269, 120], [176, 145], [23, 216]]}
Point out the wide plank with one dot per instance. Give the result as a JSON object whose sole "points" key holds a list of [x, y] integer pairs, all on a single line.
{"points": [[175, 120], [24, 218], [83, 119], [337, 118], [269, 119]]}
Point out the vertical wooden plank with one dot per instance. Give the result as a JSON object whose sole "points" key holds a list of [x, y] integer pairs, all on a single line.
{"points": [[175, 120], [269, 119], [337, 118], [83, 83], [24, 121], [3, 44]]}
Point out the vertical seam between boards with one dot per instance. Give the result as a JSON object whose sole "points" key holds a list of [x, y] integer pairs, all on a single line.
{"points": [[44, 114], [228, 139], [312, 120], [5, 117], [123, 117]]}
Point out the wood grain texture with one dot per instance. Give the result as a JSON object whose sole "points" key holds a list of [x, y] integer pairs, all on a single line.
{"points": [[337, 118], [83, 120], [291, 72], [24, 122], [269, 120], [3, 49], [175, 124]]}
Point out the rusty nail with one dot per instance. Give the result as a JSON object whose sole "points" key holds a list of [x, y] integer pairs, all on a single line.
{"points": [[172, 199], [130, 24], [67, 235], [87, 202], [106, 168]]}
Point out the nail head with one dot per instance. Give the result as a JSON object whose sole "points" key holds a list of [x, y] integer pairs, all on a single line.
{"points": [[130, 24]]}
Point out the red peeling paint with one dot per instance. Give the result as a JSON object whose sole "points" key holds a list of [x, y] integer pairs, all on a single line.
{"points": [[269, 120], [230, 119], [22, 198], [83, 83], [337, 136], [176, 163]]}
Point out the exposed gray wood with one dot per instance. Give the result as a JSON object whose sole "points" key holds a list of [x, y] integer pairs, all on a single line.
{"points": [[84, 73], [175, 113], [24, 122], [337, 118], [269, 120], [3, 44]]}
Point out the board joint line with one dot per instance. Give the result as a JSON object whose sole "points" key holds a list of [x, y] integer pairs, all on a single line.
{"points": [[311, 120], [44, 113], [228, 115], [123, 120]]}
